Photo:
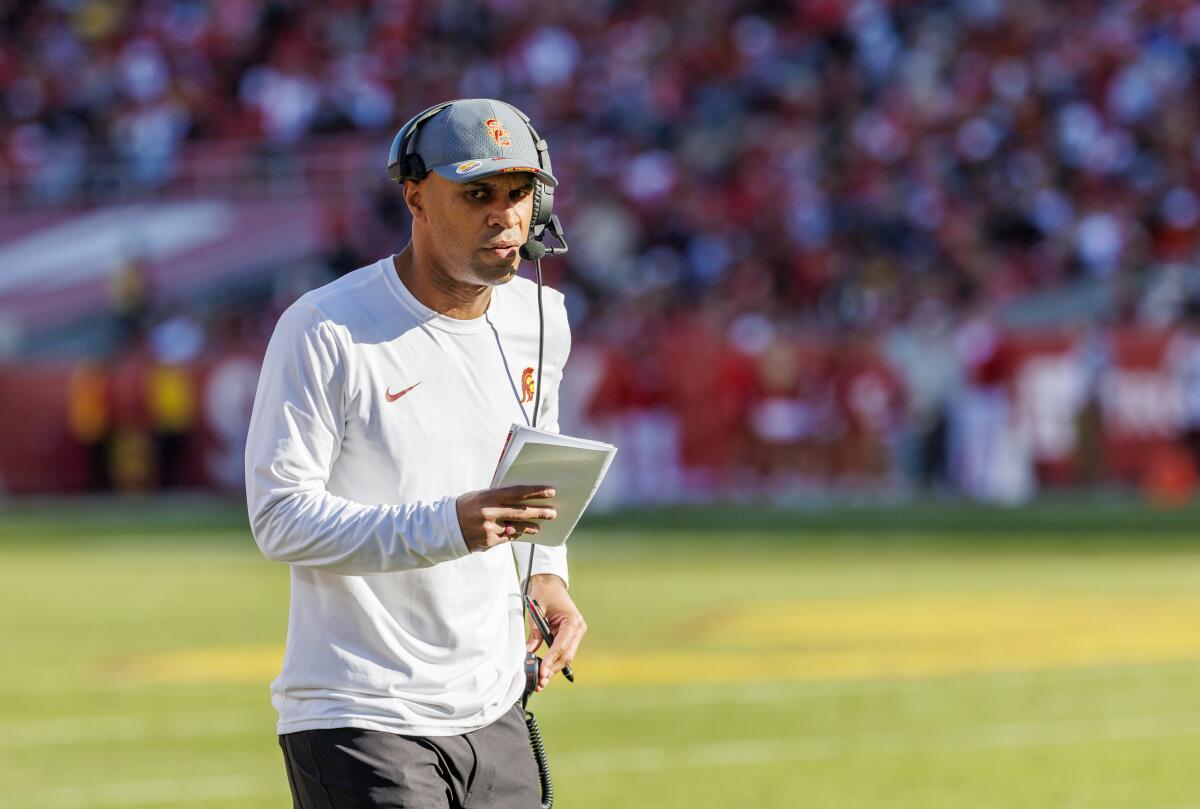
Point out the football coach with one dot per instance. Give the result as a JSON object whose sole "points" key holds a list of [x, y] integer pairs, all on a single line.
{"points": [[382, 408]]}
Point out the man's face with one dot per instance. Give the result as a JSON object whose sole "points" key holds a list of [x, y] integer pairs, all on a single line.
{"points": [[475, 229]]}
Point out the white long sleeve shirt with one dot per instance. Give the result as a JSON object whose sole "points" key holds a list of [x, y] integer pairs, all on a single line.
{"points": [[373, 413]]}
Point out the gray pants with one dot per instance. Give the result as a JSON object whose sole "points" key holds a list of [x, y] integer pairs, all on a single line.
{"points": [[350, 768]]}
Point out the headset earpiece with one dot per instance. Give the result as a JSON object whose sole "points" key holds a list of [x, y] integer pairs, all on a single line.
{"points": [[536, 225], [543, 194], [404, 164]]}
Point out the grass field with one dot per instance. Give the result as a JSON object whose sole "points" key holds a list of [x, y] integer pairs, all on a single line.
{"points": [[933, 656]]}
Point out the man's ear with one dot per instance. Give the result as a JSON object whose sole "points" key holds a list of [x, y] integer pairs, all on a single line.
{"points": [[413, 198]]}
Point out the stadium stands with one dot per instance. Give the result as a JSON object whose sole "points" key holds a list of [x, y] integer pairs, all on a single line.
{"points": [[913, 179]]}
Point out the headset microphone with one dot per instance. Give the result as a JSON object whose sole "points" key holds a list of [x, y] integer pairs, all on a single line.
{"points": [[533, 250]]}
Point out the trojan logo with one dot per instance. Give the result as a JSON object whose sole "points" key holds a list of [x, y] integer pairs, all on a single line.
{"points": [[527, 390], [497, 132]]}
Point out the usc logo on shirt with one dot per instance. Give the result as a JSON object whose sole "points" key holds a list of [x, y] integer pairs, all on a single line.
{"points": [[527, 386]]}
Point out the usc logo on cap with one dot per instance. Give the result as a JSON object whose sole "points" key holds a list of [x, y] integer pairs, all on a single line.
{"points": [[527, 386], [497, 132]]}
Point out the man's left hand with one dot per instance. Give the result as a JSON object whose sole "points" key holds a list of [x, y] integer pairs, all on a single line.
{"points": [[566, 624]]}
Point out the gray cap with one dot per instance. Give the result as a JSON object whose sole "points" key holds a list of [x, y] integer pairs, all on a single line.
{"points": [[478, 137]]}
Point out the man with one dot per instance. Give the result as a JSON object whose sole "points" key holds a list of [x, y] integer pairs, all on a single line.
{"points": [[381, 412]]}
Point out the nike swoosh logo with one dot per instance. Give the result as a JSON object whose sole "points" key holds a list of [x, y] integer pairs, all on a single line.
{"points": [[391, 397]]}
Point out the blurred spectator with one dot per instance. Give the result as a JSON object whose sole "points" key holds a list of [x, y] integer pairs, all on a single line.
{"points": [[1183, 360], [992, 453], [1093, 355], [922, 353], [793, 418], [89, 420], [871, 402], [172, 395], [131, 299]]}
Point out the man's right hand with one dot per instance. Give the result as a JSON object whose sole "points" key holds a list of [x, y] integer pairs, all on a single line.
{"points": [[491, 517]]}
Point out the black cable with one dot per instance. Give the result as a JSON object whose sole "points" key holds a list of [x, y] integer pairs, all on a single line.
{"points": [[537, 396], [537, 386], [539, 755], [545, 782]]}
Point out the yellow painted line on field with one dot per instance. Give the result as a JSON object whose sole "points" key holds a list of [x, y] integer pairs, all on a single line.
{"points": [[205, 664], [838, 639]]}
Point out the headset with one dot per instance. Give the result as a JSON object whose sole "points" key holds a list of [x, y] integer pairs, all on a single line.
{"points": [[406, 164]]}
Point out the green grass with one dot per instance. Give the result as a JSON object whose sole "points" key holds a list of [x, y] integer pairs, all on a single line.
{"points": [[715, 673]]}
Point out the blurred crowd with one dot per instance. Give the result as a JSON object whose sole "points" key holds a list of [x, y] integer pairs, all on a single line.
{"points": [[829, 161], [899, 175]]}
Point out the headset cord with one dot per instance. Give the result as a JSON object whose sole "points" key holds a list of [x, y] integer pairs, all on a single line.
{"points": [[537, 399], [539, 754], [535, 732]]}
